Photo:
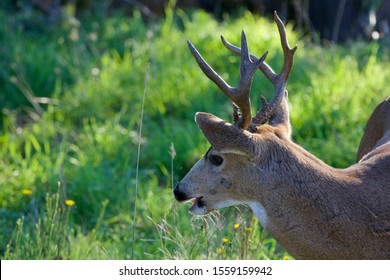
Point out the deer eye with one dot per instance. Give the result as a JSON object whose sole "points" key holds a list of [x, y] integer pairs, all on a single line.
{"points": [[216, 160]]}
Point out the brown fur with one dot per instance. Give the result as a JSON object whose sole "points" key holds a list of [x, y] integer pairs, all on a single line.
{"points": [[377, 130]]}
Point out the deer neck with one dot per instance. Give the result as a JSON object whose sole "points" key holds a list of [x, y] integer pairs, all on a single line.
{"points": [[308, 193]]}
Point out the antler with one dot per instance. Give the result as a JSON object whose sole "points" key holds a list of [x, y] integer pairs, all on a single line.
{"points": [[240, 94], [278, 80]]}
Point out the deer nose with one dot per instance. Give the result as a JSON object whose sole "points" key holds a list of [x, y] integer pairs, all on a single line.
{"points": [[179, 195]]}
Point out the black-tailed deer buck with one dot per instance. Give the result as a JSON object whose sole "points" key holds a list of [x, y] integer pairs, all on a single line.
{"points": [[313, 210]]}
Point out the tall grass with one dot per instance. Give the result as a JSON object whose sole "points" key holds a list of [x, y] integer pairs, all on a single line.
{"points": [[85, 135], [51, 237]]}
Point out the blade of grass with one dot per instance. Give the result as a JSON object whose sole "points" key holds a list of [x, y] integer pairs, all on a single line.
{"points": [[138, 159], [173, 154]]}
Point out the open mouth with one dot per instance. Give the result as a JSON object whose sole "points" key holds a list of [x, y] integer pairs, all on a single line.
{"points": [[197, 202]]}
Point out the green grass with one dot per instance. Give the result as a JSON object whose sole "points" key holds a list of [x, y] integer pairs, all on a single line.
{"points": [[80, 141]]}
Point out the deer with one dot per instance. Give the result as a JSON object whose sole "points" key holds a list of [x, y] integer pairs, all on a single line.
{"points": [[313, 210]]}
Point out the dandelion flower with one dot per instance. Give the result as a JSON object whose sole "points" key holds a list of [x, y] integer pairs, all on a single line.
{"points": [[70, 202], [286, 258], [248, 229], [27, 192], [236, 226], [225, 240], [219, 250]]}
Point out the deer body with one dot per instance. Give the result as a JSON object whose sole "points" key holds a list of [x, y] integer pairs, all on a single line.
{"points": [[319, 212], [313, 210]]}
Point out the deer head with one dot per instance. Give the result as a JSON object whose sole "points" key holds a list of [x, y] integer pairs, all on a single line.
{"points": [[223, 177]]}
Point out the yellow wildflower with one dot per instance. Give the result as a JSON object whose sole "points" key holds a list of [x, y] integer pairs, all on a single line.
{"points": [[236, 226], [219, 250], [70, 202], [225, 240], [27, 192], [286, 258], [248, 229]]}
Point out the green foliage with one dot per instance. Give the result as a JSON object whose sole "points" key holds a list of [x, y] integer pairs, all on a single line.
{"points": [[51, 237], [340, 92], [84, 133]]}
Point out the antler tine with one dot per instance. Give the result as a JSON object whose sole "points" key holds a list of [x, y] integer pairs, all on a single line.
{"points": [[247, 67], [240, 94], [287, 50], [278, 80], [208, 71], [264, 67]]}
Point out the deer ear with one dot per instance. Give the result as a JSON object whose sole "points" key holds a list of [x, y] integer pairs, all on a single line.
{"points": [[223, 136]]}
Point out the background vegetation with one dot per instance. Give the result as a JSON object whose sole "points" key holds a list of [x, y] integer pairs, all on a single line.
{"points": [[71, 100]]}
